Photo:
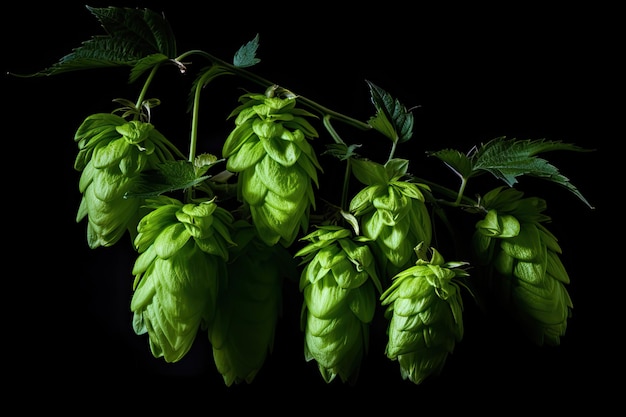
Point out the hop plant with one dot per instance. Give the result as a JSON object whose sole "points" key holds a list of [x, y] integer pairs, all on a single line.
{"points": [[112, 154], [277, 165], [339, 283], [524, 270], [182, 250], [392, 212], [425, 312], [249, 306], [201, 266]]}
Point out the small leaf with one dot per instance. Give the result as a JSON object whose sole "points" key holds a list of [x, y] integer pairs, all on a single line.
{"points": [[341, 151], [246, 55], [457, 161], [169, 176], [392, 118]]}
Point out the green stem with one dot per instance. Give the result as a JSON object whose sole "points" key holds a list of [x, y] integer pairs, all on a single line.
{"points": [[146, 85], [392, 152], [457, 196], [265, 84], [346, 179], [346, 182], [193, 140], [331, 130]]}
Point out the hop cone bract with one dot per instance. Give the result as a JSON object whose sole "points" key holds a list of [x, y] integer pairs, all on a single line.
{"points": [[339, 283], [277, 165], [392, 213], [182, 249], [524, 270], [112, 154], [425, 312]]}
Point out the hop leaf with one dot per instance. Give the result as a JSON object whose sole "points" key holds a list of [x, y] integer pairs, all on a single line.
{"points": [[507, 159], [140, 38]]}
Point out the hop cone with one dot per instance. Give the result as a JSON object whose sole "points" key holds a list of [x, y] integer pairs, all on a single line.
{"points": [[182, 253], [242, 333], [112, 154], [525, 272], [339, 283], [392, 213], [425, 312], [277, 165]]}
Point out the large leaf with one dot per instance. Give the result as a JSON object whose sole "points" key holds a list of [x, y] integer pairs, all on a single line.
{"points": [[132, 36], [507, 159]]}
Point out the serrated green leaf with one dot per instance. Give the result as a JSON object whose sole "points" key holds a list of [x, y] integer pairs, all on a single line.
{"points": [[392, 118], [507, 159], [246, 55], [147, 30], [146, 64], [341, 151], [167, 177], [132, 35], [457, 161]]}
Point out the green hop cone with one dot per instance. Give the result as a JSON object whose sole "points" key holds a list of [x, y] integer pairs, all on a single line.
{"points": [[425, 312], [112, 155], [392, 213], [524, 270], [242, 334], [277, 165], [339, 283], [183, 249]]}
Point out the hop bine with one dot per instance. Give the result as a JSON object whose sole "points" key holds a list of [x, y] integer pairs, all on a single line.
{"points": [[524, 270], [339, 283], [425, 312], [112, 155], [242, 334], [277, 165], [183, 249]]}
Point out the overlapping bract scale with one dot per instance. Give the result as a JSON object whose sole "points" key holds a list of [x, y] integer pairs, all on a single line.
{"points": [[339, 282], [425, 312], [525, 272], [249, 306], [277, 165], [396, 218], [112, 154], [183, 250]]}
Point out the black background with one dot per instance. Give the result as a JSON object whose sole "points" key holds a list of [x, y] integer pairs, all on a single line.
{"points": [[475, 74]]}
